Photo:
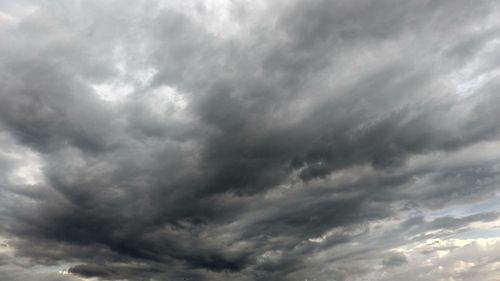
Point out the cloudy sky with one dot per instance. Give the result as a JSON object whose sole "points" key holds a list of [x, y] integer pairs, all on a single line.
{"points": [[283, 140]]}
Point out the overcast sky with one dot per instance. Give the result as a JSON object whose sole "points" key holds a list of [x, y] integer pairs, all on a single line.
{"points": [[277, 140]]}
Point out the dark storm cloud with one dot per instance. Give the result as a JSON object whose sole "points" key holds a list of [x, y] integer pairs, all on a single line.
{"points": [[245, 156]]}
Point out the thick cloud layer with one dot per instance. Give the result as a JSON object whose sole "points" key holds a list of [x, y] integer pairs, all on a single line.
{"points": [[249, 140]]}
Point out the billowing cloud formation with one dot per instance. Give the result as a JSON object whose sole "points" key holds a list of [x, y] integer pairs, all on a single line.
{"points": [[249, 140]]}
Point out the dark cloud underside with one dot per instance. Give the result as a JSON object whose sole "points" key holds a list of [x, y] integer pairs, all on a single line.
{"points": [[237, 140]]}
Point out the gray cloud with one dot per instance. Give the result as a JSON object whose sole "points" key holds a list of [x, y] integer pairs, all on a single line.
{"points": [[247, 141], [395, 260]]}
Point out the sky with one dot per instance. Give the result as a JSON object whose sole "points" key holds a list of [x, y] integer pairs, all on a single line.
{"points": [[283, 140]]}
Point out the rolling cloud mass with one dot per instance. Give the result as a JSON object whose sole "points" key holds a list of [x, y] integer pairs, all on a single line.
{"points": [[287, 140]]}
